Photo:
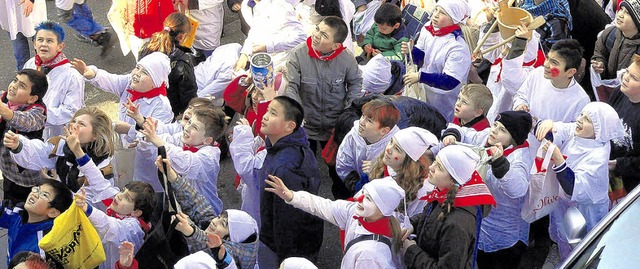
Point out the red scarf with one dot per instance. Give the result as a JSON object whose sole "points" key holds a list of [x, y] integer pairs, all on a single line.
{"points": [[510, 150], [318, 55], [195, 149], [442, 31], [146, 227], [472, 193], [162, 90], [381, 226], [46, 66]]}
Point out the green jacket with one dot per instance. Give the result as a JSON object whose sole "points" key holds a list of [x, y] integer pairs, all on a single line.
{"points": [[389, 45]]}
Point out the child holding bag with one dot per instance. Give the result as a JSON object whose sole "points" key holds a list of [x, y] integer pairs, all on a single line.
{"points": [[372, 234]]}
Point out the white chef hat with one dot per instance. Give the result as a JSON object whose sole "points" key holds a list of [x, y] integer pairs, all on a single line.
{"points": [[606, 122], [297, 263], [376, 74], [385, 193], [415, 141], [158, 66], [241, 225], [460, 162], [458, 10]]}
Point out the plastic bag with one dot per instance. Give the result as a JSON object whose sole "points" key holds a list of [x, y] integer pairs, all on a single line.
{"points": [[544, 190], [73, 241], [191, 35], [602, 88]]}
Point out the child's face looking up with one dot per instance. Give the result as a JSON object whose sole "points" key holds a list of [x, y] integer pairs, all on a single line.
{"points": [[465, 110], [84, 128], [322, 39], [39, 200], [187, 115], [499, 134], [47, 45], [631, 82], [219, 226], [141, 80], [366, 207], [440, 18], [370, 129], [274, 122], [555, 67], [19, 91], [394, 155], [194, 133], [623, 21], [124, 203], [439, 176], [584, 127]]}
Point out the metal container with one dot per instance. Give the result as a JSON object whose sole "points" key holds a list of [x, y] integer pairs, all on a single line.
{"points": [[262, 70]]}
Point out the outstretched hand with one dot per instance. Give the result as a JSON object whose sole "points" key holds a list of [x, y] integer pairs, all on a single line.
{"points": [[11, 140], [126, 253], [172, 176], [82, 68], [133, 111], [71, 138], [278, 188], [149, 129]]}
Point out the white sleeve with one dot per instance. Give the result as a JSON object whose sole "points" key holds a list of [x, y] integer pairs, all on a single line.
{"points": [[591, 178], [169, 128], [189, 163], [515, 183], [72, 101], [473, 137], [34, 154], [116, 84], [98, 188], [563, 133], [517, 74], [291, 33], [115, 230], [345, 159], [205, 4], [245, 160], [315, 205], [524, 92]]}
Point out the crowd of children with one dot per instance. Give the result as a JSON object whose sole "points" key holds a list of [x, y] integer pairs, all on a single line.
{"points": [[409, 192]]}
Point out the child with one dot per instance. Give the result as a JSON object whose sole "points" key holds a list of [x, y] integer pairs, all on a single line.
{"points": [[387, 35], [193, 152], [584, 174], [65, 94], [27, 224], [21, 111], [472, 106], [551, 92], [366, 140], [447, 229], [28, 259], [19, 19], [445, 55], [96, 136], [146, 86], [504, 235], [297, 263], [235, 232], [371, 233]]}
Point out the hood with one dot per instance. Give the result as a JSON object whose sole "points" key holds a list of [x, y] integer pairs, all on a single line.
{"points": [[298, 138], [606, 122]]}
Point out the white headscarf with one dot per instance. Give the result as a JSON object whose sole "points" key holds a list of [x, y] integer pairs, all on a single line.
{"points": [[241, 225], [297, 263], [415, 141], [376, 74], [158, 65], [458, 10], [606, 122], [459, 161], [385, 193]]}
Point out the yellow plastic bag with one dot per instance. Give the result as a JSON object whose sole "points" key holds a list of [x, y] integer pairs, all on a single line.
{"points": [[191, 36], [73, 241]]}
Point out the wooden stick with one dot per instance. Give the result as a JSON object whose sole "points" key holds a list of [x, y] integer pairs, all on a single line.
{"points": [[484, 38], [537, 22]]}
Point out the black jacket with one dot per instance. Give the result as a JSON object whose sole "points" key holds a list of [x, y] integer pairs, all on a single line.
{"points": [[626, 151], [182, 80]]}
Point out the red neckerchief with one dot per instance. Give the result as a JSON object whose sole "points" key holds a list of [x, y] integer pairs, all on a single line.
{"points": [[162, 90], [317, 55], [478, 124], [12, 106], [195, 149], [538, 61], [146, 227], [386, 171], [472, 193], [381, 226], [442, 31], [56, 61], [538, 162], [510, 150]]}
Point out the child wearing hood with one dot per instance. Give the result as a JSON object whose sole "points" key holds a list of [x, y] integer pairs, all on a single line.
{"points": [[447, 230], [371, 233], [584, 173]]}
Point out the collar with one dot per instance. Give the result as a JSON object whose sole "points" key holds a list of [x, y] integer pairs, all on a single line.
{"points": [[317, 55], [146, 227], [478, 120], [454, 29], [47, 66], [162, 90], [196, 148], [472, 193], [512, 149], [381, 226]]}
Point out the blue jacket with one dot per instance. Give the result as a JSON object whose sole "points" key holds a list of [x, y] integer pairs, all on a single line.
{"points": [[288, 231], [23, 236]]}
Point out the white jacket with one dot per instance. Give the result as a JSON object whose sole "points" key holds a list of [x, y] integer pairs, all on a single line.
{"points": [[354, 149], [13, 21], [210, 14], [214, 74]]}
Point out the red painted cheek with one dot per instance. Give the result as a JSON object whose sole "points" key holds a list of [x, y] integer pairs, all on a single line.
{"points": [[555, 72], [395, 158]]}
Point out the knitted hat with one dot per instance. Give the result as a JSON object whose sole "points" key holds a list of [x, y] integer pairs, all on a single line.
{"points": [[376, 74], [297, 263], [385, 193], [518, 123], [158, 67], [458, 10], [606, 122], [415, 141], [633, 7], [460, 162], [241, 225]]}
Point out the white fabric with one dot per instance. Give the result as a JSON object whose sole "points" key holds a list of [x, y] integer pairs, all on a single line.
{"points": [[606, 122], [275, 25], [416, 206], [214, 74], [458, 10], [201, 260], [243, 150], [445, 54], [67, 4], [157, 107], [12, 20], [64, 97], [459, 161], [367, 254], [241, 225], [415, 141], [354, 149], [210, 17], [297, 263], [305, 11], [158, 66], [364, 20], [113, 232], [386, 194], [376, 74]]}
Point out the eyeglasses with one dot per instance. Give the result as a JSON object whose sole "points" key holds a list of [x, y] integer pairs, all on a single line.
{"points": [[41, 194]]}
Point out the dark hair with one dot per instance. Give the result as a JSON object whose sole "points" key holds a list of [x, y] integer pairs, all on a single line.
{"points": [[145, 198], [32, 259], [165, 40], [448, 203], [53, 27], [328, 8], [382, 111], [338, 25], [292, 110], [214, 121], [63, 196], [388, 14], [39, 81], [571, 51]]}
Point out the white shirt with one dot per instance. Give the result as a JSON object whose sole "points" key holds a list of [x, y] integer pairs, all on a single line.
{"points": [[12, 20], [354, 149], [214, 74]]}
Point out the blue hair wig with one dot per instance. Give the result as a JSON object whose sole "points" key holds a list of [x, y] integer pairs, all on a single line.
{"points": [[52, 26]]}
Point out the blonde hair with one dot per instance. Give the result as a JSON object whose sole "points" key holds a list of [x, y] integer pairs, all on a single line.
{"points": [[165, 40], [104, 145], [479, 95], [410, 177]]}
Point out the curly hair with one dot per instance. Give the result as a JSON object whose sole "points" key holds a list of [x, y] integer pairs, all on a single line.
{"points": [[410, 177], [104, 145]]}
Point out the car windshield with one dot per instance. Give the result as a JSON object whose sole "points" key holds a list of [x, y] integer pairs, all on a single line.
{"points": [[617, 245]]}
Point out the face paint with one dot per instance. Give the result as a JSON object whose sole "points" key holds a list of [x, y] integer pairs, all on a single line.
{"points": [[366, 207], [555, 72]]}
